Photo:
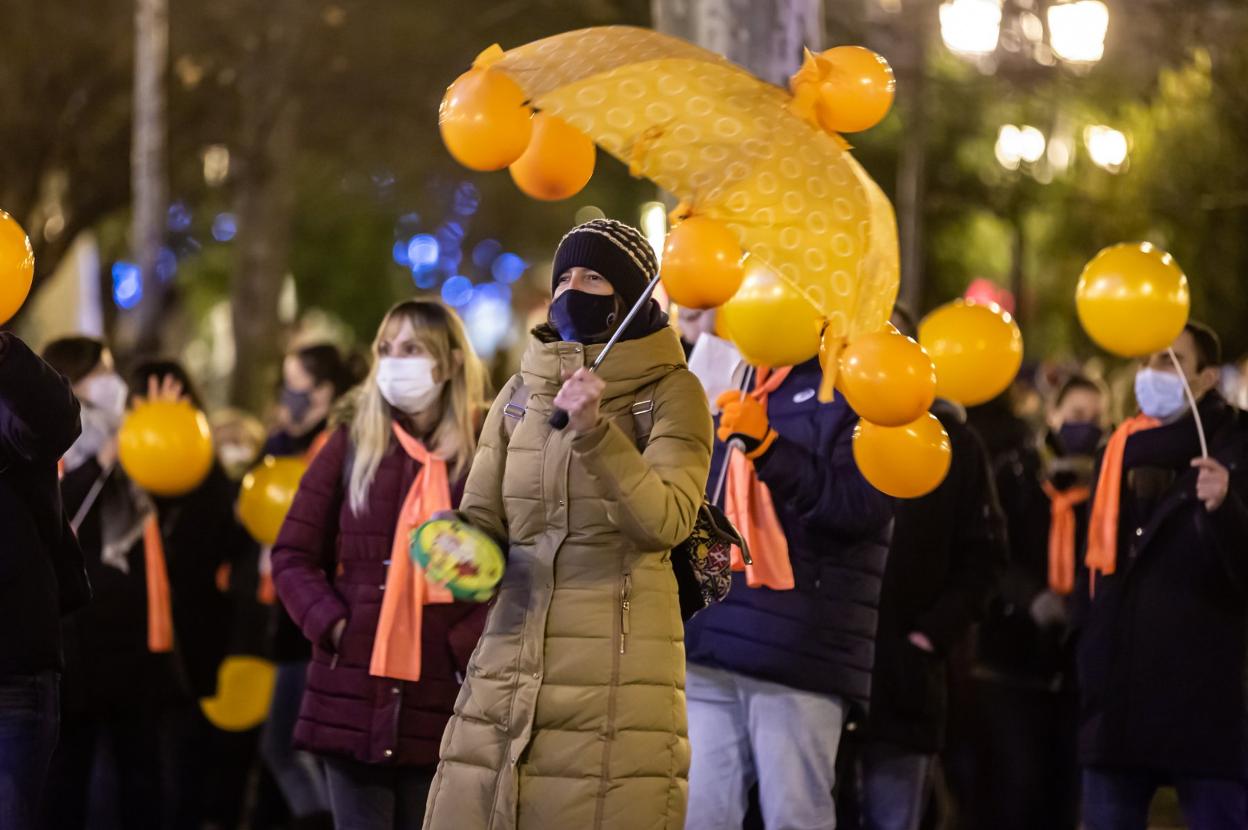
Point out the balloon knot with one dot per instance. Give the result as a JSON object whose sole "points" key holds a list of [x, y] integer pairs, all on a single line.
{"points": [[640, 149]]}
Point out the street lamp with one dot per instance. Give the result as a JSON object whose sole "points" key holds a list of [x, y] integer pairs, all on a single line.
{"points": [[971, 27], [1107, 147], [1016, 145], [1077, 30]]}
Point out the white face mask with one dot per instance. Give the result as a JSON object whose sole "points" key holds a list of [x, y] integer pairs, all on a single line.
{"points": [[106, 393], [1159, 394], [407, 383]]}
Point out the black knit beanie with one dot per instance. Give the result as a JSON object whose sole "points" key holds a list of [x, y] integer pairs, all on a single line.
{"points": [[617, 251]]}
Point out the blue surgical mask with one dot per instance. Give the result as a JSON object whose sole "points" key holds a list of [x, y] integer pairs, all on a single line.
{"points": [[1159, 394]]}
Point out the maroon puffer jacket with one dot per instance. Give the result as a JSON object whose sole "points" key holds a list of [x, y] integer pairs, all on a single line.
{"points": [[328, 565]]}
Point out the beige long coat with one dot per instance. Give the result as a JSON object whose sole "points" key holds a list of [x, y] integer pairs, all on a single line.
{"points": [[573, 711]]}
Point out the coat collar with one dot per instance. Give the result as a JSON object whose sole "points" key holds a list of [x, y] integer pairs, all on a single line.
{"points": [[632, 364]]}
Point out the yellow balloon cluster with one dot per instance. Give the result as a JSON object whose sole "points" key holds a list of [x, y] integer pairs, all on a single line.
{"points": [[266, 496], [487, 124], [17, 267], [165, 447], [1133, 299]]}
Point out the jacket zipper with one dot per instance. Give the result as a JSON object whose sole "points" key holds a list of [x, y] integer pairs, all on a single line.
{"points": [[625, 606]]}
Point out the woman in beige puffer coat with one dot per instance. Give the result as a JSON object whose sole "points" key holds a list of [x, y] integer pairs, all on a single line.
{"points": [[573, 711]]}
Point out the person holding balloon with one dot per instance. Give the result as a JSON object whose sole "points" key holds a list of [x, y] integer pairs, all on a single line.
{"points": [[388, 646], [121, 671], [782, 665], [41, 571], [1162, 620], [573, 715]]}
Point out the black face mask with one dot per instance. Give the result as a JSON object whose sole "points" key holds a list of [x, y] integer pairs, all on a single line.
{"points": [[296, 403], [1080, 438], [582, 317]]}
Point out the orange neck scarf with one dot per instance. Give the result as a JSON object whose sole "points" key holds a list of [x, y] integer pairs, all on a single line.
{"points": [[1062, 535], [159, 605], [1102, 554], [749, 507], [396, 650]]}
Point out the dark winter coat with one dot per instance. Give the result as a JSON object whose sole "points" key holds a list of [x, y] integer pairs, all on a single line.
{"points": [[1162, 644], [947, 554], [820, 636], [41, 570], [288, 643], [1010, 647], [330, 565], [108, 664]]}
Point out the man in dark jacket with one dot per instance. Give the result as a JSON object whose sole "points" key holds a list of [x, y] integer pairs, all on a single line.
{"points": [[1164, 633], [947, 553], [774, 675], [38, 423]]}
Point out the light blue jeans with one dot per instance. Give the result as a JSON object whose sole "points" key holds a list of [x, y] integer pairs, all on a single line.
{"points": [[745, 731]]}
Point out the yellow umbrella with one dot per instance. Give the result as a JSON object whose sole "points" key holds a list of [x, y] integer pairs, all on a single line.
{"points": [[732, 147]]}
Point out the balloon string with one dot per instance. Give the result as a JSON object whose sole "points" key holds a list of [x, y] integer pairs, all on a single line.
{"points": [[1191, 401]]}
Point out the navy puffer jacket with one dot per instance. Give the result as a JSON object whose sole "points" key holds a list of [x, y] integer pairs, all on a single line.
{"points": [[820, 636]]}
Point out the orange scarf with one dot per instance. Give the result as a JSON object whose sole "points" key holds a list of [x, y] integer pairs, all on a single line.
{"points": [[396, 651], [159, 606], [749, 507], [1103, 525], [1062, 535]]}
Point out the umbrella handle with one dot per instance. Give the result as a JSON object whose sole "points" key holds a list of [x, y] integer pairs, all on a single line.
{"points": [[559, 418]]}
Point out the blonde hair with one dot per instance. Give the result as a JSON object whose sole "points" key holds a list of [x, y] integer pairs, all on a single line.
{"points": [[440, 331]]}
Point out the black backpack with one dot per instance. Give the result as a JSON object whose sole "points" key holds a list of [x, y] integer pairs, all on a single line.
{"points": [[703, 562]]}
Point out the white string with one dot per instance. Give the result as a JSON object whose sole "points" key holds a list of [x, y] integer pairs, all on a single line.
{"points": [[1191, 402]]}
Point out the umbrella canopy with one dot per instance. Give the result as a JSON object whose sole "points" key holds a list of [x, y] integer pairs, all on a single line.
{"points": [[734, 149]]}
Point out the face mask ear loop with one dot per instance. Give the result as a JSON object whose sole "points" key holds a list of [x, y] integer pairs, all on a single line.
{"points": [[1191, 402]]}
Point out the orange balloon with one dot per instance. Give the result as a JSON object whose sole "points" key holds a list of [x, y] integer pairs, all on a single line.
{"points": [[166, 447], [484, 120], [17, 267], [558, 162], [266, 496], [770, 323], [857, 90], [701, 263], [1133, 299], [904, 462], [977, 350], [887, 378]]}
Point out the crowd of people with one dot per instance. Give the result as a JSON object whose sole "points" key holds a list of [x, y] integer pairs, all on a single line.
{"points": [[1047, 638]]}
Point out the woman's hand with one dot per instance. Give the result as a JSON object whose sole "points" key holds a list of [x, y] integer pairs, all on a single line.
{"points": [[580, 397], [166, 389]]}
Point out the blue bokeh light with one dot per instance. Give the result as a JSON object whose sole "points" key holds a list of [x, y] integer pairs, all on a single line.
{"points": [[224, 226], [425, 278], [457, 291], [493, 291], [399, 254], [422, 250], [178, 217], [484, 252], [450, 259], [450, 234], [166, 264], [508, 268], [127, 285], [467, 199]]}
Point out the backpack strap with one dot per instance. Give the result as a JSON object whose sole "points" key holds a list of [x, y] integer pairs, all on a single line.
{"points": [[642, 411], [513, 412], [643, 415]]}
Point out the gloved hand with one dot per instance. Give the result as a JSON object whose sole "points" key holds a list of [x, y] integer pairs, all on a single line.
{"points": [[745, 420]]}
